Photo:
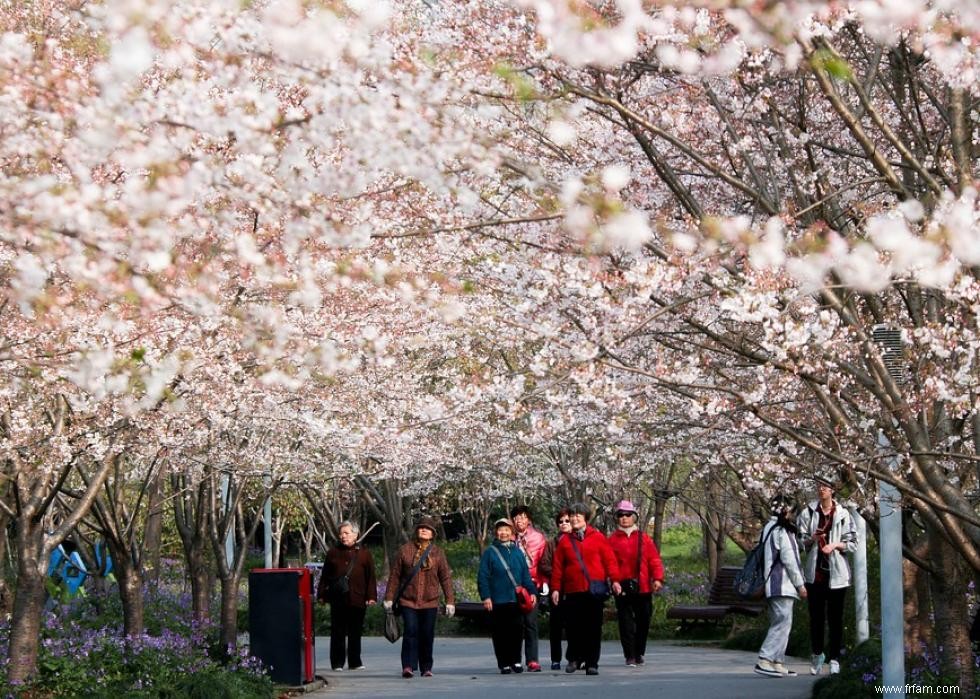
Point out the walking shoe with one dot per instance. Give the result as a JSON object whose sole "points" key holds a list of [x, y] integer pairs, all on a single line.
{"points": [[816, 663], [591, 671], [518, 668], [572, 666], [337, 669], [427, 673], [639, 660], [631, 662], [556, 666], [505, 671], [834, 667], [765, 667], [356, 667], [534, 666], [407, 672], [784, 671]]}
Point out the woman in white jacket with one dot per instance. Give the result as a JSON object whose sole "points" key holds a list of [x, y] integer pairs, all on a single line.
{"points": [[784, 585], [826, 532]]}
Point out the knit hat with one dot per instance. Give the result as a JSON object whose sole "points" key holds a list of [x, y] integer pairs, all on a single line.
{"points": [[428, 523], [504, 522], [625, 506]]}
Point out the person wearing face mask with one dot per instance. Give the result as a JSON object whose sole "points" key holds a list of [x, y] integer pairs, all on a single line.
{"points": [[532, 544], [419, 571], [641, 574], [583, 567], [502, 568], [348, 584], [556, 621]]}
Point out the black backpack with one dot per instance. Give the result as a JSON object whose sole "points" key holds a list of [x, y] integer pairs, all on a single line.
{"points": [[750, 582]]}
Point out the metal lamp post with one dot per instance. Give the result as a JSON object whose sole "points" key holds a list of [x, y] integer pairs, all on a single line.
{"points": [[890, 534]]}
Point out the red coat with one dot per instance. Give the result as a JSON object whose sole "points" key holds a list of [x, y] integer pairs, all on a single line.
{"points": [[651, 567], [598, 556]]}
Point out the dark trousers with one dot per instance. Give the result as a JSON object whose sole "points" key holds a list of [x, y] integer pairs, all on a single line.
{"points": [[633, 613], [826, 604], [583, 624], [556, 625], [346, 627], [530, 625], [506, 631], [420, 633]]}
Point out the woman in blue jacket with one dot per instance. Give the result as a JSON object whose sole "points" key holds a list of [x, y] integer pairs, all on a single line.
{"points": [[502, 568]]}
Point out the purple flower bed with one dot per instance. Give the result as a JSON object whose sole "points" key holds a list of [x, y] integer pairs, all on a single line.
{"points": [[83, 652]]}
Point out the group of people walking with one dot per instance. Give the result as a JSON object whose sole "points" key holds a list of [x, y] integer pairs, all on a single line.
{"points": [[825, 530], [574, 573], [571, 574]]}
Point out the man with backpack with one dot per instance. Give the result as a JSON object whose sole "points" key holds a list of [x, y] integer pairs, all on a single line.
{"points": [[783, 585]]}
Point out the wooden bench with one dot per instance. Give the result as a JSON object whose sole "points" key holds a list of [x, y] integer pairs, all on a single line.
{"points": [[722, 601]]}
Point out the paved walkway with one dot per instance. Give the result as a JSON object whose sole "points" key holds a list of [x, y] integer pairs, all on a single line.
{"points": [[464, 667]]}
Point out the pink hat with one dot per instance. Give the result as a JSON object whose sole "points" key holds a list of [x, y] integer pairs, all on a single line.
{"points": [[625, 506]]}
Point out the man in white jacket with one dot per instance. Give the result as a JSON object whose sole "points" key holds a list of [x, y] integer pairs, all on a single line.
{"points": [[826, 532], [784, 585]]}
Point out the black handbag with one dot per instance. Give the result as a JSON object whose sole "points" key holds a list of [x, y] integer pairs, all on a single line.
{"points": [[393, 627]]}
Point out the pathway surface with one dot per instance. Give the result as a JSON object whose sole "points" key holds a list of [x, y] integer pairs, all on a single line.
{"points": [[465, 668]]}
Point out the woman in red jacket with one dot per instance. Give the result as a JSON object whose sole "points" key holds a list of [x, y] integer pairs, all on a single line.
{"points": [[583, 567], [641, 574]]}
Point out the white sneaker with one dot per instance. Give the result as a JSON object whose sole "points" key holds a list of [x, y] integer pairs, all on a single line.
{"points": [[816, 663], [767, 668], [783, 670], [834, 667]]}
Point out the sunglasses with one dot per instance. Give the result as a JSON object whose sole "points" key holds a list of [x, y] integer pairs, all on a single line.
{"points": [[625, 514], [564, 520]]}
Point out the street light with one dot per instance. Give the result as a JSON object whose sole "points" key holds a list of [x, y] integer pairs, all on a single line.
{"points": [[889, 340]]}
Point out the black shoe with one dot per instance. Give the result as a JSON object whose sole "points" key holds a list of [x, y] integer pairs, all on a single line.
{"points": [[556, 666], [571, 667], [505, 671], [639, 660], [591, 671], [518, 669]]}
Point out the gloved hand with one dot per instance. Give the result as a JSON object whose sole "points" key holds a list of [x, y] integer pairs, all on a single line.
{"points": [[388, 604], [450, 610]]}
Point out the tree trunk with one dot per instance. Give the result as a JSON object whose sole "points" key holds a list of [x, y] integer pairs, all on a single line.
{"points": [[153, 534], [709, 549], [918, 623], [6, 598], [25, 628], [229, 613], [197, 571], [131, 593], [951, 613], [659, 511]]}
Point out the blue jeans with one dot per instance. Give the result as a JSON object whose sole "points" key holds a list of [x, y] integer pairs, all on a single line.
{"points": [[420, 634]]}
